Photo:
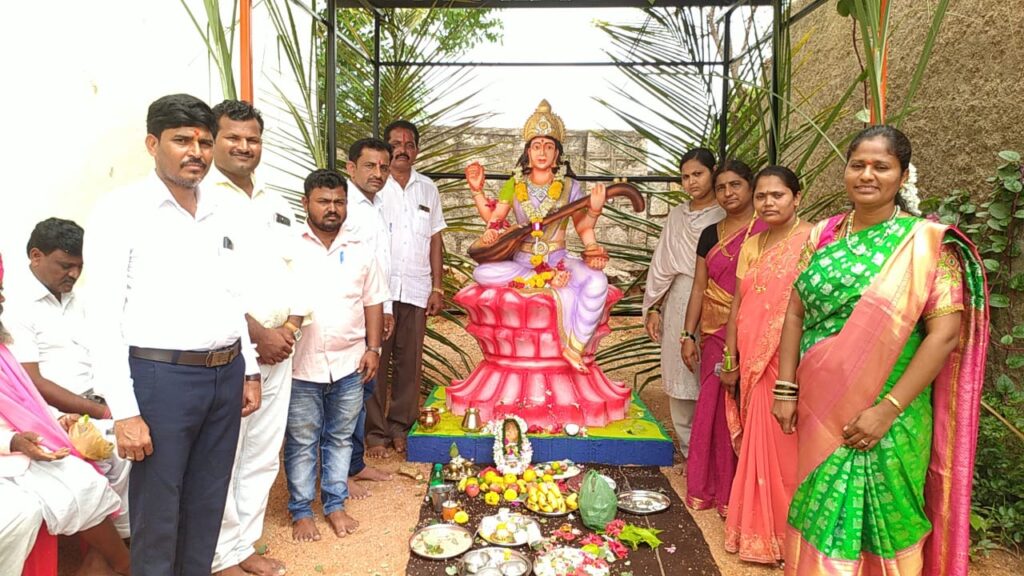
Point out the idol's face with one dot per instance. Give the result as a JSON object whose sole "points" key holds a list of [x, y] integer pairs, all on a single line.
{"points": [[543, 153], [873, 175]]}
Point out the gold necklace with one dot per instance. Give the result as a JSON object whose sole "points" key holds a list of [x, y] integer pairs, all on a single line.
{"points": [[722, 239], [849, 230], [762, 288]]}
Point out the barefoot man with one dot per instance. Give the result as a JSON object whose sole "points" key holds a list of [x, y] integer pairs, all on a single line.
{"points": [[412, 209], [338, 353]]}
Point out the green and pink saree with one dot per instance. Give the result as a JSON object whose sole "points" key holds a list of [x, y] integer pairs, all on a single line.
{"points": [[901, 508]]}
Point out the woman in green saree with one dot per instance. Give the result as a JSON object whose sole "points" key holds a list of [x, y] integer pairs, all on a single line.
{"points": [[881, 364]]}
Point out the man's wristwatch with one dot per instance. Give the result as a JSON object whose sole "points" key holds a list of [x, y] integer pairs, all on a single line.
{"points": [[296, 331], [252, 377], [374, 349]]}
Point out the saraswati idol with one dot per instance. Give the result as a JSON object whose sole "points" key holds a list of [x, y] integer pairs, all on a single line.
{"points": [[537, 310]]}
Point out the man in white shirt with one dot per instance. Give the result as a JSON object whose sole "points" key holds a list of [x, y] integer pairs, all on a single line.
{"points": [[264, 234], [368, 167], [338, 353], [169, 341], [43, 479], [412, 210], [46, 322], [49, 338]]}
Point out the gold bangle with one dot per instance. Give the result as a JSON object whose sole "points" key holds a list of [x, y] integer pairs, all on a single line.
{"points": [[477, 192], [894, 402], [593, 214], [438, 290], [290, 326]]}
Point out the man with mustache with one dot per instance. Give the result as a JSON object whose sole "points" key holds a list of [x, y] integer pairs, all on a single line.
{"points": [[50, 340], [264, 225], [46, 320], [337, 355], [412, 209], [368, 167], [170, 341]]}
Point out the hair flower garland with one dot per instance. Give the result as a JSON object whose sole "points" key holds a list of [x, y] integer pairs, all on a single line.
{"points": [[908, 192]]}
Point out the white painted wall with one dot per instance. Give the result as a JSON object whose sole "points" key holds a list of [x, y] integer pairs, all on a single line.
{"points": [[77, 79]]}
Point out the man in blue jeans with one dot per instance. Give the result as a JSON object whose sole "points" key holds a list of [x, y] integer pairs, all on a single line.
{"points": [[337, 354]]}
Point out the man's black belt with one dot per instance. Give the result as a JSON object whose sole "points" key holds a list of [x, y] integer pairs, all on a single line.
{"points": [[207, 358]]}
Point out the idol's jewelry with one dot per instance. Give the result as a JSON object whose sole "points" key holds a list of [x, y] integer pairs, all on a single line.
{"points": [[593, 214]]}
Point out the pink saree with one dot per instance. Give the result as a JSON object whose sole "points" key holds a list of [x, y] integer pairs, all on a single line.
{"points": [[712, 460], [766, 473]]}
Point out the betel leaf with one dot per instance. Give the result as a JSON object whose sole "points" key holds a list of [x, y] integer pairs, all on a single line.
{"points": [[633, 535]]}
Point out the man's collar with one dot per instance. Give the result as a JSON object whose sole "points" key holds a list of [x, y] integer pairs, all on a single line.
{"points": [[37, 291], [216, 177], [162, 195], [361, 197], [413, 176]]}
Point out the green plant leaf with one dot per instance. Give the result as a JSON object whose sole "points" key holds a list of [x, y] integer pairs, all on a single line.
{"points": [[998, 301], [1015, 361], [1018, 331], [633, 535], [1013, 185], [863, 115], [967, 208], [990, 264], [1006, 340], [1010, 156]]}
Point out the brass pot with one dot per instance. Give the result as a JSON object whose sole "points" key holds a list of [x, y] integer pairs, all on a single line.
{"points": [[429, 417], [471, 421]]}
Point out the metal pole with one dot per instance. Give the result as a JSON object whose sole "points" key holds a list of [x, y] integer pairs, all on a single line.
{"points": [[376, 74], [245, 43], [723, 119], [774, 128], [331, 85]]}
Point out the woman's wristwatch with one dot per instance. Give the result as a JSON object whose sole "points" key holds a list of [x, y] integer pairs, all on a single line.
{"points": [[375, 349]]}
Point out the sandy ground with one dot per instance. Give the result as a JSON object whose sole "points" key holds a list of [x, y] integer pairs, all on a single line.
{"points": [[380, 546]]}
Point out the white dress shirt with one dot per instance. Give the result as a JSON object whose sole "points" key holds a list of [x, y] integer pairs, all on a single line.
{"points": [[49, 332], [159, 278], [265, 239], [413, 216], [340, 280], [366, 219]]}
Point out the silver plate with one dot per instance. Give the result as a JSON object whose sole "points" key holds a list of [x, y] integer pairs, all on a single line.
{"points": [[493, 558], [642, 502], [508, 544], [438, 533]]}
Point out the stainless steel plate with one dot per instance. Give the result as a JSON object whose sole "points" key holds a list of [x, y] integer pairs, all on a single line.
{"points": [[440, 541], [643, 502], [505, 561], [519, 542]]}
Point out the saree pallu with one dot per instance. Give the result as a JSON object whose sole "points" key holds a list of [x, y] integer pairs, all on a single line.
{"points": [[902, 507], [712, 461], [766, 471]]}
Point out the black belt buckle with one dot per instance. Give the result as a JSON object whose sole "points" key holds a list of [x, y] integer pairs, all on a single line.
{"points": [[217, 358]]}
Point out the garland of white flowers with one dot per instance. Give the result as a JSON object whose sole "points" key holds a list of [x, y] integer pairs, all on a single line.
{"points": [[525, 448], [908, 192]]}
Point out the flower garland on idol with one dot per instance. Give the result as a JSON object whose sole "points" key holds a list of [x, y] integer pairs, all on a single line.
{"points": [[543, 273]]}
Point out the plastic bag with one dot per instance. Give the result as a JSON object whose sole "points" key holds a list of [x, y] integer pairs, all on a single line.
{"points": [[88, 440], [598, 502]]}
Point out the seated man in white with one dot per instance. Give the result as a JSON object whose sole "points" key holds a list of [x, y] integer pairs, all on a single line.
{"points": [[37, 459], [20, 518], [48, 336]]}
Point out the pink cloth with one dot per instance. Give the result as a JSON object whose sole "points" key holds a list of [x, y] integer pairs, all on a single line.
{"points": [[24, 409]]}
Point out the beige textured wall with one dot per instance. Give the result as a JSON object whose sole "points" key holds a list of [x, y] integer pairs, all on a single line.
{"points": [[971, 103]]}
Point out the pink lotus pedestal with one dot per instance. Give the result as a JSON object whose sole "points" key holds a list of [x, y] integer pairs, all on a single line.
{"points": [[523, 372]]}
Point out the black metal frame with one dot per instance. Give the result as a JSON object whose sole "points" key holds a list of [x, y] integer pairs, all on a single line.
{"points": [[375, 6]]}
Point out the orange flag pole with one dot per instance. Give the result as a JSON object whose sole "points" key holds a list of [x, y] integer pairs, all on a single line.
{"points": [[245, 41]]}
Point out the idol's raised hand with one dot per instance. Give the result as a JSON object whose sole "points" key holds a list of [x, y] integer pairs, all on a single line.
{"points": [[475, 177], [597, 197]]}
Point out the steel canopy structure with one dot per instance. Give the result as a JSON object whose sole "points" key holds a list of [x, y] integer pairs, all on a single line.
{"points": [[375, 7]]}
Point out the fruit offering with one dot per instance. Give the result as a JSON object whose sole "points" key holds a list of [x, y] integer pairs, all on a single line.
{"points": [[547, 498]]}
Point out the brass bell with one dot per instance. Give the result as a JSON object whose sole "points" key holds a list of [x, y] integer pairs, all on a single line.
{"points": [[471, 420]]}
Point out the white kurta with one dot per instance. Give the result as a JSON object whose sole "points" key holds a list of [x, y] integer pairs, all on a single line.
{"points": [[21, 516], [671, 275]]}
